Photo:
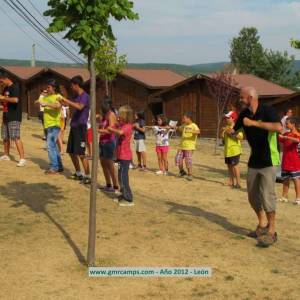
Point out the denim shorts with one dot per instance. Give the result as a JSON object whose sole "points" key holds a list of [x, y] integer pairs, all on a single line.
{"points": [[107, 150]]}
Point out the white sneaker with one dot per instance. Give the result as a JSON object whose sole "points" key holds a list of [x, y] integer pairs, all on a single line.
{"points": [[125, 203], [5, 158], [160, 172], [166, 173], [283, 199], [131, 166], [297, 202], [21, 163]]}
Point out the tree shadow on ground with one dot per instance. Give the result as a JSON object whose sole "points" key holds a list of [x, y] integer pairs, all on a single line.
{"points": [[37, 136], [181, 209], [44, 165], [218, 171], [37, 196]]}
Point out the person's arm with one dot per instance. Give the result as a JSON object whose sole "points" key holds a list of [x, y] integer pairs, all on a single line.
{"points": [[67, 102], [269, 126], [115, 131], [292, 139], [9, 99], [111, 123], [223, 131], [55, 105], [141, 129], [193, 130]]}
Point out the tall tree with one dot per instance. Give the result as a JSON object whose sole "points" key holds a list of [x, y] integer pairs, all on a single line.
{"points": [[279, 67], [222, 87], [247, 53], [248, 56], [87, 23], [108, 63]]}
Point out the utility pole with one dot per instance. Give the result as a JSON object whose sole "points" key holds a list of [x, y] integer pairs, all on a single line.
{"points": [[33, 56]]}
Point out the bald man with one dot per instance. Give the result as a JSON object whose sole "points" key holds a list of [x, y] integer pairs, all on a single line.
{"points": [[261, 125]]}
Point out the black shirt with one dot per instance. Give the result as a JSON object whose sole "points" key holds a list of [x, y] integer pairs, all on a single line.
{"points": [[264, 144], [138, 135], [14, 110]]}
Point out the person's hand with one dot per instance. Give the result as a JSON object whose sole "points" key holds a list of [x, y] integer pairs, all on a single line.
{"points": [[61, 100], [284, 137], [2, 97], [229, 130], [248, 123]]}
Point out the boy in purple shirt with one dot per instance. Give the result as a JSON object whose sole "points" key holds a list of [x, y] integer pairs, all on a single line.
{"points": [[77, 138]]}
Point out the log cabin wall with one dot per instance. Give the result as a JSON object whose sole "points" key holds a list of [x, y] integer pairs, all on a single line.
{"points": [[128, 92], [193, 98]]}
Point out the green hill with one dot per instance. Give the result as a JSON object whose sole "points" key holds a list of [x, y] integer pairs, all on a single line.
{"points": [[186, 70], [182, 69]]}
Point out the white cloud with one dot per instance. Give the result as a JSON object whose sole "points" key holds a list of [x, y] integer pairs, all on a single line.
{"points": [[194, 31]]}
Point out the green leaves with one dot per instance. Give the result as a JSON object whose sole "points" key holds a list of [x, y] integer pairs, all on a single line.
{"points": [[107, 61], [87, 21], [295, 43], [248, 56]]}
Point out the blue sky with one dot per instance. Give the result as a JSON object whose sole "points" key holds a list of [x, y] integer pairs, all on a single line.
{"points": [[173, 31]]}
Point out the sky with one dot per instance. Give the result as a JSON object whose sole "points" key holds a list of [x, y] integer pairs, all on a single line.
{"points": [[169, 31]]}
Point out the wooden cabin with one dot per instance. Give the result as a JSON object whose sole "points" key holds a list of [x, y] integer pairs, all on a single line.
{"points": [[288, 102], [37, 83], [135, 87], [20, 75], [193, 95]]}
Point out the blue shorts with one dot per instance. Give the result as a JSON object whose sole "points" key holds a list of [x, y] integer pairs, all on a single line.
{"points": [[107, 150]]}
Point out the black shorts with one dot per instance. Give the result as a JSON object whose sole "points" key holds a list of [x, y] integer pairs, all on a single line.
{"points": [[77, 140], [232, 161]]}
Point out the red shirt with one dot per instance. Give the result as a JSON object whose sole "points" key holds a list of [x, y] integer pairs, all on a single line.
{"points": [[290, 158], [123, 147], [107, 137]]}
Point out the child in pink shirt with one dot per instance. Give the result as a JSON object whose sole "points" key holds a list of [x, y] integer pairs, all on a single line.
{"points": [[124, 154]]}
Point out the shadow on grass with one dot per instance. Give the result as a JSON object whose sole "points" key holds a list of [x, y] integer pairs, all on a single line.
{"points": [[37, 136], [36, 196], [222, 172], [181, 209], [44, 165]]}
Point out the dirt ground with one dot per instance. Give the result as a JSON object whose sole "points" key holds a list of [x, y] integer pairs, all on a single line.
{"points": [[44, 221]]}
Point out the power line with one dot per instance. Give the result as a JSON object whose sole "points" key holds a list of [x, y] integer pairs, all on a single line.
{"points": [[40, 31], [48, 23], [28, 35], [36, 28], [50, 35]]}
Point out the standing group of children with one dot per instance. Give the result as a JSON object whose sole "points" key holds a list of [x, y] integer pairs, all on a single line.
{"points": [[289, 141], [121, 131]]}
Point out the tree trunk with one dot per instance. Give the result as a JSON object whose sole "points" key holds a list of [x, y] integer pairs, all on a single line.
{"points": [[106, 88], [217, 135], [218, 128], [93, 188]]}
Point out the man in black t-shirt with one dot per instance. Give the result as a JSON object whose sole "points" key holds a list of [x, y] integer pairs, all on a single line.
{"points": [[261, 125], [12, 118]]}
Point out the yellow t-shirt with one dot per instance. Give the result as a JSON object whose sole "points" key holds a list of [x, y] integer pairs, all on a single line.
{"points": [[233, 146], [188, 139], [51, 115]]}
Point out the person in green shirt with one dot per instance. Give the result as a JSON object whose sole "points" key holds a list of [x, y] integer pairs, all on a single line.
{"points": [[52, 114], [232, 151]]}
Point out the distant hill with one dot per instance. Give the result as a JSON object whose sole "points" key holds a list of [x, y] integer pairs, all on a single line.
{"points": [[186, 70], [182, 69]]}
